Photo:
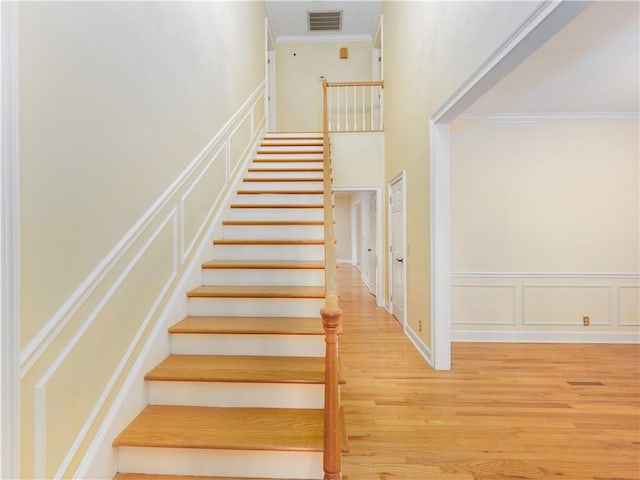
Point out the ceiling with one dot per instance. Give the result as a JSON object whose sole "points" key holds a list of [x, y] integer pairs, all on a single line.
{"points": [[592, 66], [288, 19]]}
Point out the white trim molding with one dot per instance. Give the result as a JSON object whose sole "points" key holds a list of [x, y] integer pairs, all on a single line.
{"points": [[330, 37], [543, 22], [36, 347], [9, 247], [422, 347], [40, 419], [548, 18], [548, 301], [551, 117], [502, 336], [100, 460]]}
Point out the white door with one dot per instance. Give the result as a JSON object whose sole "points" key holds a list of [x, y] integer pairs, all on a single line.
{"points": [[396, 249], [371, 247], [271, 90]]}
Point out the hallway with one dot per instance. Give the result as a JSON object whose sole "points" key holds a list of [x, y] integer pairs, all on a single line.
{"points": [[526, 411]]}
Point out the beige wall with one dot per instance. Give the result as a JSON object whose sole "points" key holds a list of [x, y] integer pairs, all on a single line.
{"points": [[357, 159], [299, 88], [430, 49], [533, 204], [117, 103]]}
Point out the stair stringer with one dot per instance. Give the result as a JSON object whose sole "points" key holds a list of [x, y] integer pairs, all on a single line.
{"points": [[101, 459]]}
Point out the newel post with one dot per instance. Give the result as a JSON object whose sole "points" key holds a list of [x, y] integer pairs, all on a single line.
{"points": [[332, 461]]}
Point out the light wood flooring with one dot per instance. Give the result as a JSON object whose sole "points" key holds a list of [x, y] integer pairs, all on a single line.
{"points": [[505, 411]]}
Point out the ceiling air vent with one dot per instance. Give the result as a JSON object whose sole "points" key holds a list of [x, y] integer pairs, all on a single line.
{"points": [[325, 21]]}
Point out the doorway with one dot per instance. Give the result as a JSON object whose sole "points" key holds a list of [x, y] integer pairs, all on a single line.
{"points": [[358, 213]]}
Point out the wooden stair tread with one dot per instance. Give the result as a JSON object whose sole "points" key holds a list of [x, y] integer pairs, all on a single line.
{"points": [[241, 369], [282, 179], [147, 476], [276, 205], [257, 291], [248, 325], [280, 192], [285, 160], [292, 135], [273, 170], [264, 264], [279, 223], [224, 241], [279, 429], [290, 152]]}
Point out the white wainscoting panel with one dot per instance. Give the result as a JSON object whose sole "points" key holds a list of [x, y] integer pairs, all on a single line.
{"points": [[483, 304], [565, 305], [172, 238], [629, 305], [546, 306]]}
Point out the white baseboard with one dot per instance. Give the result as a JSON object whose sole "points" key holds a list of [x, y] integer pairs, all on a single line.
{"points": [[100, 460], [544, 336], [422, 347], [344, 260]]}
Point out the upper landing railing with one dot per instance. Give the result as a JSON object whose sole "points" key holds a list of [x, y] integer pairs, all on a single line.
{"points": [[354, 106], [346, 107]]}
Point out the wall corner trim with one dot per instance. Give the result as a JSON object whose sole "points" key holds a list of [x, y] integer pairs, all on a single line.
{"points": [[9, 246]]}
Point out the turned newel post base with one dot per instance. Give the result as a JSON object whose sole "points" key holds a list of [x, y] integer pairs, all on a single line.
{"points": [[332, 445]]}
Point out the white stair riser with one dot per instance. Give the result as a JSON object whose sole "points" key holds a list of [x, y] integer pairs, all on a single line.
{"points": [[268, 252], [277, 135], [248, 344], [289, 156], [273, 276], [291, 144], [279, 199], [273, 232], [310, 214], [292, 148], [229, 463], [287, 165], [282, 186], [255, 307], [287, 141], [236, 394], [309, 175]]}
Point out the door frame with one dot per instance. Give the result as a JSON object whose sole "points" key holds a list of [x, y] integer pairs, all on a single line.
{"points": [[380, 300], [9, 247], [402, 179], [542, 23], [270, 78]]}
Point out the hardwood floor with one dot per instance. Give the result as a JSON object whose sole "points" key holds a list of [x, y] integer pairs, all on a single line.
{"points": [[505, 411]]}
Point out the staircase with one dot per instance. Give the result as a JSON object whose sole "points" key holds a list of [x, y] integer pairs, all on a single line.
{"points": [[241, 394]]}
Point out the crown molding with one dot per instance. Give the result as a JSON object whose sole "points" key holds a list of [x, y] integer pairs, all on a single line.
{"points": [[552, 117], [315, 38]]}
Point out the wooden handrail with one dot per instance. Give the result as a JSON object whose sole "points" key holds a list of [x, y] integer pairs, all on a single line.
{"points": [[378, 83], [331, 314]]}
